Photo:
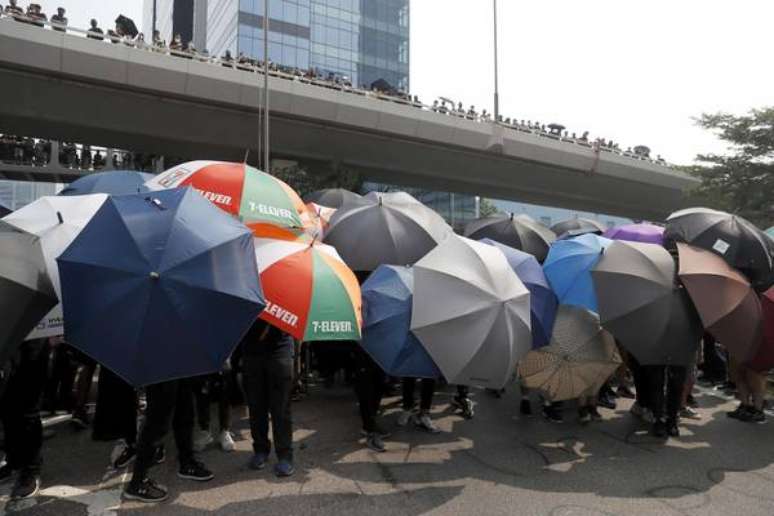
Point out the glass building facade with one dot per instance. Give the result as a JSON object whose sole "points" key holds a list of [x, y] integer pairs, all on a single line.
{"points": [[364, 40], [17, 194]]}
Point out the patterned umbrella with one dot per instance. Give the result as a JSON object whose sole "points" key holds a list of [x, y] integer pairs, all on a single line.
{"points": [[259, 199], [580, 357], [310, 292]]}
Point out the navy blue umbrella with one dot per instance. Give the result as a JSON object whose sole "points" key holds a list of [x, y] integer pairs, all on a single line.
{"points": [[543, 301], [4, 211], [160, 286], [114, 182], [387, 303]]}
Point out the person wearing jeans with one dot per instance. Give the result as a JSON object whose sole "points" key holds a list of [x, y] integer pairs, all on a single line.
{"points": [[267, 358]]}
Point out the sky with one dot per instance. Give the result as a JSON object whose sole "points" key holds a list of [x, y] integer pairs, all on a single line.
{"points": [[633, 72]]}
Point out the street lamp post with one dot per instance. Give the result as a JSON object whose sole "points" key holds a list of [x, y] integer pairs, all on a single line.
{"points": [[154, 21], [496, 87]]}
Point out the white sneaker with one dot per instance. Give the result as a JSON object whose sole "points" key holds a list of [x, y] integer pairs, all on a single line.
{"points": [[202, 440], [425, 423], [226, 441], [404, 417]]}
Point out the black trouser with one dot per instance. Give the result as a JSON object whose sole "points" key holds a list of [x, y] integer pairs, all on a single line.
{"points": [[59, 388], [642, 384], [20, 407], [666, 389], [463, 391], [427, 389], [168, 403], [715, 366], [209, 389], [268, 383], [116, 414], [84, 379], [369, 389]]}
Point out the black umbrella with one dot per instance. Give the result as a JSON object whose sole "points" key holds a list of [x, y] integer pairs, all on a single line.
{"points": [[127, 26], [578, 226], [642, 305], [26, 292], [733, 238], [332, 197], [521, 232], [4, 210], [383, 86]]}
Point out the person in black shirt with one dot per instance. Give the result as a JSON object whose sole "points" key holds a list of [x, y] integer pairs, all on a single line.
{"points": [[267, 358], [59, 20], [94, 31], [13, 9]]}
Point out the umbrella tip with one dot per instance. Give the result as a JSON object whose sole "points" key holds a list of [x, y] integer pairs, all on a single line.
{"points": [[59, 216], [154, 275], [380, 200], [512, 215]]}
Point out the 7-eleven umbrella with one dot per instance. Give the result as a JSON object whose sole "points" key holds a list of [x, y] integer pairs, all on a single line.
{"points": [[57, 221], [310, 292], [237, 188]]}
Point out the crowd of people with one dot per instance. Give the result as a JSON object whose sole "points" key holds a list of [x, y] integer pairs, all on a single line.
{"points": [[126, 33]]}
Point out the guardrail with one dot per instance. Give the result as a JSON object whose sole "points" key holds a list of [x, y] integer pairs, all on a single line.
{"points": [[306, 78]]}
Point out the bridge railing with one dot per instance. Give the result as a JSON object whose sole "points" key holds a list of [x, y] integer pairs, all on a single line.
{"points": [[306, 78]]}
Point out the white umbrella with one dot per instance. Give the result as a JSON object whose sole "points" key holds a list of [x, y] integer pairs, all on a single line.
{"points": [[471, 312], [56, 221]]}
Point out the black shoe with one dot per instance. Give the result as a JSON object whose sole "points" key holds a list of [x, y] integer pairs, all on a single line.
{"points": [[691, 401], [6, 473], [127, 456], [27, 486], [147, 491], [160, 456], [594, 413], [659, 429], [525, 408], [378, 430], [195, 470], [753, 415], [81, 420], [738, 412], [604, 400], [583, 415], [553, 414], [671, 429]]}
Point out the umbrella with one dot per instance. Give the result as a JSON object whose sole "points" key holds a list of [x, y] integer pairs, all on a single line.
{"points": [[643, 307], [764, 357], [26, 292], [259, 199], [127, 26], [579, 359], [4, 211], [729, 309], [56, 221], [332, 197], [770, 232], [736, 240], [643, 232], [385, 228], [543, 302], [471, 312], [159, 286], [521, 232], [310, 293], [568, 269], [387, 304], [117, 182], [579, 226], [317, 219]]}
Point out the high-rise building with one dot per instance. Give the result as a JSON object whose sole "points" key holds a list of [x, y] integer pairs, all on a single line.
{"points": [[365, 40], [185, 17]]}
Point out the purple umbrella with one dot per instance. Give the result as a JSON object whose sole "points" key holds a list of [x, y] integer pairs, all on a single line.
{"points": [[643, 232]]}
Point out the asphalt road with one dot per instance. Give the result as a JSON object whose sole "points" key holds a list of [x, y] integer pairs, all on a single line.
{"points": [[497, 463]]}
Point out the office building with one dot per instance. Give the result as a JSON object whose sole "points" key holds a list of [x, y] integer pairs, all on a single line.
{"points": [[185, 17], [17, 194]]}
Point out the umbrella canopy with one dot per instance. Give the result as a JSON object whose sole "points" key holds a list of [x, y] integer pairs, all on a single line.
{"points": [[579, 226], [770, 232], [643, 307], [4, 210], [471, 312], [317, 219], [736, 240], [643, 232], [385, 228], [310, 293], [521, 232], [387, 303], [332, 197], [26, 292], [579, 359], [729, 308], [764, 357], [257, 198], [158, 287], [56, 221], [543, 302], [115, 182], [568, 269]]}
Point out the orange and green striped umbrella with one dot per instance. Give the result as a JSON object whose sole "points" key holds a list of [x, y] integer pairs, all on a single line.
{"points": [[257, 198], [310, 293]]}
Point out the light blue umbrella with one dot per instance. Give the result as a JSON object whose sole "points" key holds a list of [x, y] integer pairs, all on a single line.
{"points": [[568, 269], [543, 302], [387, 302], [114, 182]]}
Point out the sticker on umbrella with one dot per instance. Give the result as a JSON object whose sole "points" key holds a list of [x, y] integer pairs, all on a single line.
{"points": [[721, 246]]}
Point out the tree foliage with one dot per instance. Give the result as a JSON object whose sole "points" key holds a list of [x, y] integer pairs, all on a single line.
{"points": [[304, 182], [487, 208], [742, 181]]}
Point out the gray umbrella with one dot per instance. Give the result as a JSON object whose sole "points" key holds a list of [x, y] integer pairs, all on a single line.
{"points": [[578, 226], [518, 231], [643, 306], [385, 229], [26, 291], [332, 197]]}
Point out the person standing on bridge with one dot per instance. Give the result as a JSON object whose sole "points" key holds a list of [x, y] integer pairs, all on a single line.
{"points": [[267, 358], [59, 20]]}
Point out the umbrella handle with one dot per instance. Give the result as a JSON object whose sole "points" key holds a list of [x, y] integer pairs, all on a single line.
{"points": [[59, 216]]}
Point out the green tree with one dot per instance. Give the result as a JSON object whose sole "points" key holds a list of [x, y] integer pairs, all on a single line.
{"points": [[742, 181], [486, 208]]}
